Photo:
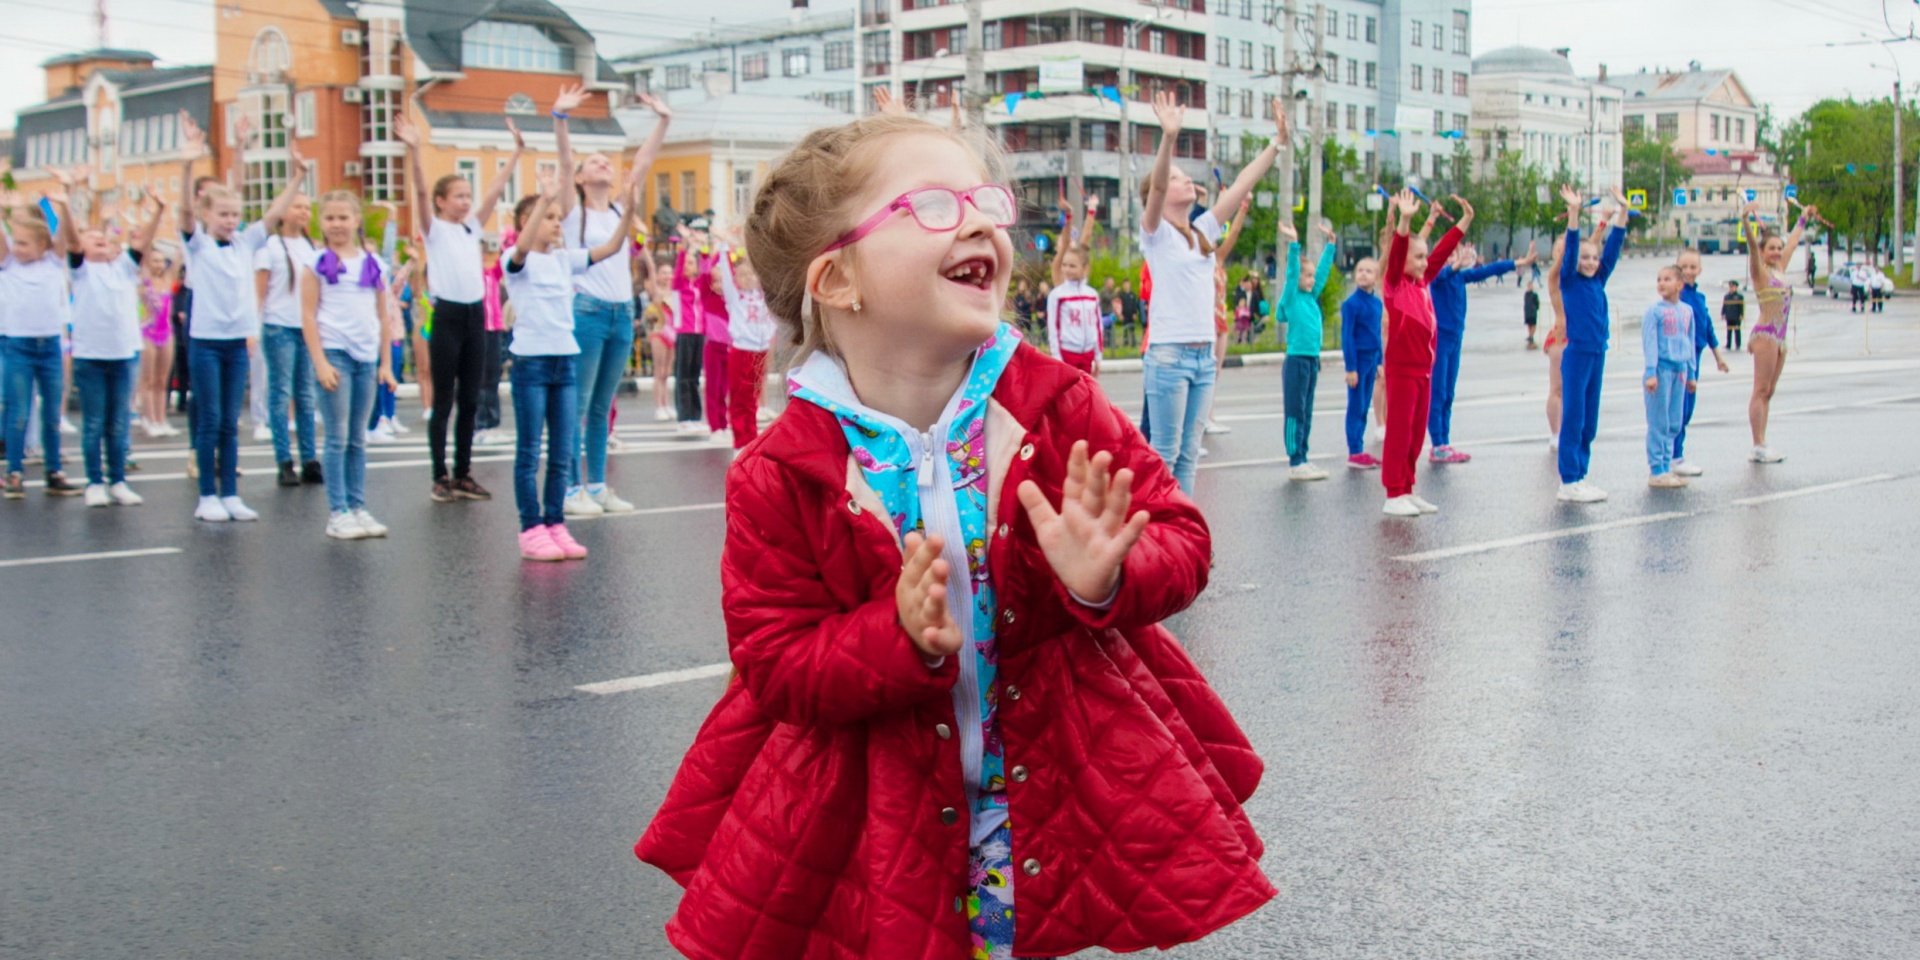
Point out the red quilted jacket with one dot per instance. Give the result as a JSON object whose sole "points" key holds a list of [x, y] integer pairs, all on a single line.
{"points": [[820, 812]]}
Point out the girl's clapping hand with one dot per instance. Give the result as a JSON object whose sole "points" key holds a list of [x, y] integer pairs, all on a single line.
{"points": [[921, 597], [1087, 539]]}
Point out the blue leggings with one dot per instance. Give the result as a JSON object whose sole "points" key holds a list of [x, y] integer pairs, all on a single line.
{"points": [[1580, 376], [1446, 374], [1359, 399]]}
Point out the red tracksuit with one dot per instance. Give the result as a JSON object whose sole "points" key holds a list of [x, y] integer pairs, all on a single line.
{"points": [[1410, 333]]}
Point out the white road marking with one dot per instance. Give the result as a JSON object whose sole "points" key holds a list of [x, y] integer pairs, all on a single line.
{"points": [[1524, 539], [1804, 491], [79, 557], [642, 682], [655, 511]]}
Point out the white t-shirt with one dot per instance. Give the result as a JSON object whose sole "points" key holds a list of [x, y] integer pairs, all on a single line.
{"points": [[283, 261], [1073, 317], [348, 314], [453, 261], [36, 296], [751, 323], [223, 296], [106, 309], [541, 290], [1182, 304], [610, 279]]}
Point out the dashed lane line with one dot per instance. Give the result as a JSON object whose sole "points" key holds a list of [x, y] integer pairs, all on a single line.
{"points": [[83, 557]]}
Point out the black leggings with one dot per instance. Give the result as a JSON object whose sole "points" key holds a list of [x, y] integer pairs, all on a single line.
{"points": [[689, 351], [458, 348]]}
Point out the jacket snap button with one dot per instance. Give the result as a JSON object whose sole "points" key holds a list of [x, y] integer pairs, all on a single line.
{"points": [[1006, 616], [1019, 774], [1013, 692], [1003, 529], [949, 815], [1032, 867], [1026, 452], [943, 731], [853, 507]]}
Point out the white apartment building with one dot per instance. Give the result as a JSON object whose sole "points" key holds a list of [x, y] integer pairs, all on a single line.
{"points": [[1396, 75], [807, 56], [1529, 100]]}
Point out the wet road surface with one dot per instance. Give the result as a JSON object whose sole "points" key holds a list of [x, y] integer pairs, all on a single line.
{"points": [[1677, 724]]}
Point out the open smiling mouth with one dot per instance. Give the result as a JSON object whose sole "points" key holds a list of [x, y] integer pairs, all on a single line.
{"points": [[975, 272]]}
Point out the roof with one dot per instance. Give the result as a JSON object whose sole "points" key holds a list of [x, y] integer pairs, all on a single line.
{"points": [[143, 93], [434, 28], [747, 117], [537, 123], [1687, 86], [102, 53], [131, 84], [340, 9], [1522, 60], [764, 31]]}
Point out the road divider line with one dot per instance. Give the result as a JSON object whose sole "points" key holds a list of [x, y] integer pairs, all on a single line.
{"points": [[656, 511], [82, 557], [1806, 491], [644, 681], [1487, 546]]}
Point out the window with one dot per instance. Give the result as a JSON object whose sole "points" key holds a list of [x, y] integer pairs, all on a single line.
{"points": [[688, 202], [1353, 117], [1716, 126], [662, 188], [1414, 36], [1693, 195], [1419, 79], [304, 114], [1373, 76], [1333, 116], [1223, 52], [1369, 161], [268, 109], [1373, 33], [261, 182], [1635, 125], [753, 66], [1740, 132], [1353, 26], [1246, 104], [742, 190], [270, 57], [1156, 41], [796, 62], [310, 180], [1333, 22], [1439, 167], [1225, 98], [521, 105], [1438, 39], [839, 53], [468, 169], [1353, 73], [1333, 68], [1271, 60], [1439, 122], [376, 116], [1666, 125], [643, 81], [1372, 120], [841, 100], [510, 177], [1439, 80], [1246, 9], [1459, 84], [1413, 164], [678, 77], [1460, 122], [714, 65], [990, 36], [1460, 31], [879, 50], [383, 179], [514, 46], [1246, 55]]}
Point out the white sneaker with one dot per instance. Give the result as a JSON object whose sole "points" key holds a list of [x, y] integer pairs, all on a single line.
{"points": [[1766, 455], [610, 502], [1205, 453], [722, 437], [1666, 481], [1421, 502], [66, 426], [398, 427], [1216, 427], [382, 433], [1378, 433], [615, 443], [694, 430], [765, 415], [154, 431], [1686, 468], [662, 414], [374, 528], [262, 433], [1401, 507], [1581, 491], [238, 509], [96, 495], [578, 504], [1553, 442], [124, 495], [211, 511], [343, 526], [1306, 471]]}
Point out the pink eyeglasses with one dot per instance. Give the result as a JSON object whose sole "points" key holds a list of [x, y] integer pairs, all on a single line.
{"points": [[937, 210]]}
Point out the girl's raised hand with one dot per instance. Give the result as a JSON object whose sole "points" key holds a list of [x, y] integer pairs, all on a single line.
{"points": [[570, 98], [1326, 230], [1408, 202], [1568, 194], [1282, 126], [193, 140], [405, 132], [657, 105], [1288, 232], [519, 139], [883, 102], [1168, 109], [1088, 538], [921, 598]]}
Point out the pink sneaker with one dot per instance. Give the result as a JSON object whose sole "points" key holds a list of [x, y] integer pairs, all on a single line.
{"points": [[1363, 461], [1449, 455], [567, 545], [535, 544]]}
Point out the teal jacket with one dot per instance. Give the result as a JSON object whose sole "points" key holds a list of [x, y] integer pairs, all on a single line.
{"points": [[1300, 310]]}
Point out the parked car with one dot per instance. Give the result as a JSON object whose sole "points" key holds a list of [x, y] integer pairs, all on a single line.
{"points": [[1840, 282]]}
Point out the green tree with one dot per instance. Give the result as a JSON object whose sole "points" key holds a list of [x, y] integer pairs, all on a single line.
{"points": [[1842, 152], [1654, 166], [1342, 200], [1510, 197]]}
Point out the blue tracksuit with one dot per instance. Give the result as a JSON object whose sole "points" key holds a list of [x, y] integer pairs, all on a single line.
{"points": [[1449, 292], [1585, 358], [1703, 340], [1666, 341], [1360, 351]]}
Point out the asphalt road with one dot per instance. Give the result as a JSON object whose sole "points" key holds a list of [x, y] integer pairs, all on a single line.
{"points": [[1676, 724]]}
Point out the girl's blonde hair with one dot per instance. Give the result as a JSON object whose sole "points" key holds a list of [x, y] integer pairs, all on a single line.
{"points": [[800, 209], [1181, 223], [32, 226], [213, 193], [341, 196]]}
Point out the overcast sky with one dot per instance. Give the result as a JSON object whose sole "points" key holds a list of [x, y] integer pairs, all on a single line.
{"points": [[1778, 46]]}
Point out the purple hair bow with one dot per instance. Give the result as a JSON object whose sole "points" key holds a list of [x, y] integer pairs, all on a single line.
{"points": [[330, 267]]}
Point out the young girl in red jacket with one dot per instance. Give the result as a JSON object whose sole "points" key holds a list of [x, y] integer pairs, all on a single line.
{"points": [[956, 728], [1409, 353]]}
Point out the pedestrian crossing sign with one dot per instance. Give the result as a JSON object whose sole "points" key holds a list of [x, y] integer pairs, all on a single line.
{"points": [[1637, 199]]}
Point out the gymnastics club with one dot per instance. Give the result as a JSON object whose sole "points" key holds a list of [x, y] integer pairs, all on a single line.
{"points": [[1823, 220], [1442, 211]]}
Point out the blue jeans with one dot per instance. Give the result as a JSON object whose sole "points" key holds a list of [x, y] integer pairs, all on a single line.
{"points": [[385, 401], [1178, 394], [33, 363], [1359, 399], [1665, 413], [544, 395], [289, 372], [1446, 373], [1580, 376], [106, 414], [219, 385], [344, 408], [604, 331]]}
